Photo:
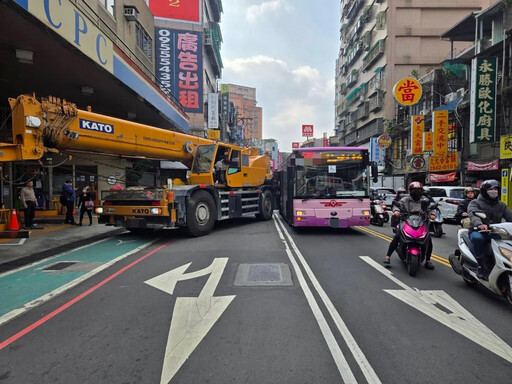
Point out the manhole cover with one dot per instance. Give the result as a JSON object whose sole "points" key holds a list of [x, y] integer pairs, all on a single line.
{"points": [[59, 266], [264, 272], [270, 274]]}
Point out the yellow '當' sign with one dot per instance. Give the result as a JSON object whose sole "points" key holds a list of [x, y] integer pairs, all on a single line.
{"points": [[407, 91]]}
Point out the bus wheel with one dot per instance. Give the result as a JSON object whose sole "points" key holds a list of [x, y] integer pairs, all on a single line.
{"points": [[201, 214], [266, 207]]}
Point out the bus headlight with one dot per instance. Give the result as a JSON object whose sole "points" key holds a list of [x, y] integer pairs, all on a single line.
{"points": [[99, 210], [300, 213], [156, 211]]}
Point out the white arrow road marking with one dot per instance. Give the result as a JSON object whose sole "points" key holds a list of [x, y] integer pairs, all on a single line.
{"points": [[193, 317], [453, 315]]}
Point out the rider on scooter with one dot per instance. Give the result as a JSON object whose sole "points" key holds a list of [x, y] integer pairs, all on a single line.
{"points": [[495, 211], [414, 203], [461, 217]]}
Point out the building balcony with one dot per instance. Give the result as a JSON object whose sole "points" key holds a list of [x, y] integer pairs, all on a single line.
{"points": [[373, 54], [352, 78], [212, 46], [216, 10]]}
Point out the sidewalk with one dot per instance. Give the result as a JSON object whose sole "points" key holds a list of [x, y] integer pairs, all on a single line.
{"points": [[51, 237]]}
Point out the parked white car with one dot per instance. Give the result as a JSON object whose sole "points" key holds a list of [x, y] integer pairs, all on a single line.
{"points": [[448, 199]]}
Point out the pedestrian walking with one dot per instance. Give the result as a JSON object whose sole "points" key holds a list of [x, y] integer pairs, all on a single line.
{"points": [[28, 198], [70, 198], [86, 204]]}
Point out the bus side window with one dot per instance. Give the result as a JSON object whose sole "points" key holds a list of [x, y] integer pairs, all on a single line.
{"points": [[234, 165]]}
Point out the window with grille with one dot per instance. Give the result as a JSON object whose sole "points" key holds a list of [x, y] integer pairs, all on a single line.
{"points": [[143, 40]]}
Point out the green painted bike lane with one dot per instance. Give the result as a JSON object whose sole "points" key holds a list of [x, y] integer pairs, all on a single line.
{"points": [[22, 286]]}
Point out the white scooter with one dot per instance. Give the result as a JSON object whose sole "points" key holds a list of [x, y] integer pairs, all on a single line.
{"points": [[464, 263]]}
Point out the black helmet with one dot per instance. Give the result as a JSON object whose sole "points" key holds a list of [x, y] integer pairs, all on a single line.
{"points": [[489, 184]]}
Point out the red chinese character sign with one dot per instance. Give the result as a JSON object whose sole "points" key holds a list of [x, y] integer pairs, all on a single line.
{"points": [[176, 10], [418, 126], [440, 122], [295, 145], [428, 144], [179, 66], [307, 130], [407, 91], [384, 141]]}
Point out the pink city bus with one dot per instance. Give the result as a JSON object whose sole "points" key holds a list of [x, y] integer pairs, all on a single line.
{"points": [[325, 187]]}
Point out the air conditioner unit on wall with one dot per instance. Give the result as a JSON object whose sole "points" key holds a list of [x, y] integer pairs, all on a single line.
{"points": [[131, 13], [450, 97], [424, 112]]}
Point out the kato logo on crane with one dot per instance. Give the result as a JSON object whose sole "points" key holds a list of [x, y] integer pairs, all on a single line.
{"points": [[96, 126]]}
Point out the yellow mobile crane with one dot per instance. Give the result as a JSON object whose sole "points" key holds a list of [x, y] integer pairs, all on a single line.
{"points": [[246, 188]]}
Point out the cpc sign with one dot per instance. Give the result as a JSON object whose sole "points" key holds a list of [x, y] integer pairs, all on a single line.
{"points": [[307, 130], [295, 145]]}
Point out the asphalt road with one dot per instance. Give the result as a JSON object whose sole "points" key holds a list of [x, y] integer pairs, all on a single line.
{"points": [[222, 309]]}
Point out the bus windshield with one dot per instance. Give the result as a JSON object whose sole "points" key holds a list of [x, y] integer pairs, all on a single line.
{"points": [[330, 174]]}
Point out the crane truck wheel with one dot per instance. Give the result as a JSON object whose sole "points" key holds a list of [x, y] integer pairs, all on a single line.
{"points": [[267, 207], [201, 214]]}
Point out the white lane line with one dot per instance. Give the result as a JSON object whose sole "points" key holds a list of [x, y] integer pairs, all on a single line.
{"points": [[358, 354], [455, 316], [50, 295]]}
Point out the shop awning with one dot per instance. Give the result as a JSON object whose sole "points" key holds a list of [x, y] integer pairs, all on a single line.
{"points": [[448, 107]]}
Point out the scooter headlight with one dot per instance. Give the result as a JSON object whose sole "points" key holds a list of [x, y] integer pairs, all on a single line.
{"points": [[506, 252]]}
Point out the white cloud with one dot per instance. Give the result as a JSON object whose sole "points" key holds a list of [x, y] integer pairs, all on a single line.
{"points": [[289, 96], [258, 11]]}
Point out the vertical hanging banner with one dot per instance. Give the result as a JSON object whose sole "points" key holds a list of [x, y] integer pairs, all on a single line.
{"points": [[418, 126], [179, 66], [376, 152], [213, 111], [483, 99], [189, 10], [440, 122], [504, 185], [428, 144]]}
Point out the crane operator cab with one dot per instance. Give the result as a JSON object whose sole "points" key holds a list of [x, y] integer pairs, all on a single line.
{"points": [[229, 166]]}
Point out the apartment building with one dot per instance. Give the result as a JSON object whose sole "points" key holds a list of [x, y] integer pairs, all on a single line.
{"points": [[381, 42], [138, 60], [246, 116]]}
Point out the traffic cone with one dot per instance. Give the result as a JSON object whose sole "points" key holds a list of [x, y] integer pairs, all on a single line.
{"points": [[13, 221]]}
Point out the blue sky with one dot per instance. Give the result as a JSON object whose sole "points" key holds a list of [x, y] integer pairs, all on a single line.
{"points": [[287, 50]]}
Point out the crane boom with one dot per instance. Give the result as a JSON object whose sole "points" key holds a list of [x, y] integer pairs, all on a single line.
{"points": [[55, 123]]}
